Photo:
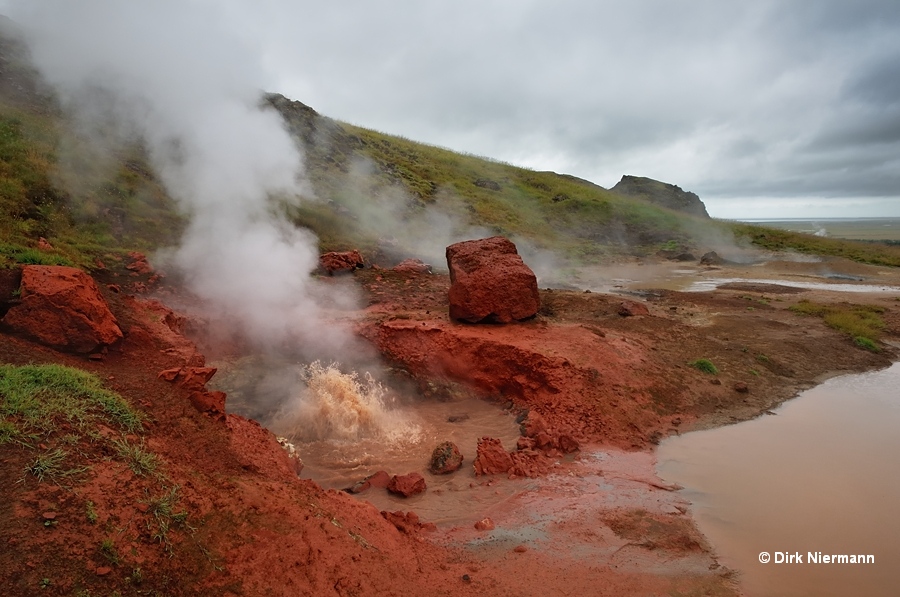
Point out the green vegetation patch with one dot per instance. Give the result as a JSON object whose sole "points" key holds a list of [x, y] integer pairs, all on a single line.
{"points": [[784, 240], [35, 400], [704, 365], [863, 323]]}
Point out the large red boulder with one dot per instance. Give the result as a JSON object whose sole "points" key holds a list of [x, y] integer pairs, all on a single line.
{"points": [[62, 307], [489, 282]]}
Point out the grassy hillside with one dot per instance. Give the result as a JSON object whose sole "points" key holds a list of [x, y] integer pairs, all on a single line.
{"points": [[353, 168], [53, 186], [387, 195]]}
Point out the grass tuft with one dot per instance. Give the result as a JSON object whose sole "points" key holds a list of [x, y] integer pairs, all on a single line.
{"points": [[704, 365], [138, 459]]}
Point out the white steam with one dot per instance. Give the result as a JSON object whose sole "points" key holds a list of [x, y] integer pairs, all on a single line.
{"points": [[173, 74]]}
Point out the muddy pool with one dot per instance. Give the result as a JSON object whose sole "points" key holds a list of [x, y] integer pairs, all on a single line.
{"points": [[818, 475]]}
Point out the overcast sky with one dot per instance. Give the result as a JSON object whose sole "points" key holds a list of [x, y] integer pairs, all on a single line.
{"points": [[765, 109]]}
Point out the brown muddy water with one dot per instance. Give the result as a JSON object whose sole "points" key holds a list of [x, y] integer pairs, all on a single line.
{"points": [[346, 426], [819, 476]]}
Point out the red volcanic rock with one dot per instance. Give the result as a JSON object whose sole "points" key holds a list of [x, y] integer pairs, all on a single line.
{"points": [[630, 308], [445, 459], [491, 458], [534, 424], [63, 308], [169, 374], [208, 402], [741, 387], [412, 266], [407, 485], [139, 263], [567, 444], [194, 378], [379, 479], [345, 261], [190, 378], [489, 282], [408, 523], [43, 245]]}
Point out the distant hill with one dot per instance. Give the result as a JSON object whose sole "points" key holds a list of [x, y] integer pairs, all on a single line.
{"points": [[661, 193]]}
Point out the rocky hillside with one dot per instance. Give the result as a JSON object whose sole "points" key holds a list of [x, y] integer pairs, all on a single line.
{"points": [[372, 182], [660, 193]]}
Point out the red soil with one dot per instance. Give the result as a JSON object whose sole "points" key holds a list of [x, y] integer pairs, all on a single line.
{"points": [[242, 523]]}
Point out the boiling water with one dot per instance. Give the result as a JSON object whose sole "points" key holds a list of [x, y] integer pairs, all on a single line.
{"points": [[452, 498], [347, 426], [821, 476]]}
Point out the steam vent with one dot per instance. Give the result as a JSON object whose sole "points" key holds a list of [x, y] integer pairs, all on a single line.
{"points": [[489, 282]]}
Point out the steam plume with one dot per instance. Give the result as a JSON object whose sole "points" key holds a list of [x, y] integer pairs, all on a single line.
{"points": [[172, 73]]}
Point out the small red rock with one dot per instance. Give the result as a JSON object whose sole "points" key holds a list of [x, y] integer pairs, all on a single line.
{"points": [[485, 524], [168, 374], [632, 308], [49, 515], [407, 485], [412, 266], [520, 549], [103, 570], [337, 262], [741, 387]]}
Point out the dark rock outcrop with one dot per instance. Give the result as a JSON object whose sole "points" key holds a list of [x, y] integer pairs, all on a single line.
{"points": [[711, 258], [661, 193], [489, 282]]}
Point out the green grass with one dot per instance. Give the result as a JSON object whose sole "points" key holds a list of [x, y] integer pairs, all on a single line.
{"points": [[137, 457], [862, 323], [164, 515], [108, 550], [704, 365], [36, 399], [90, 512], [783, 240], [85, 206], [59, 407]]}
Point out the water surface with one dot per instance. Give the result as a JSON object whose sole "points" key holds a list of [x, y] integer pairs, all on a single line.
{"points": [[820, 476]]}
